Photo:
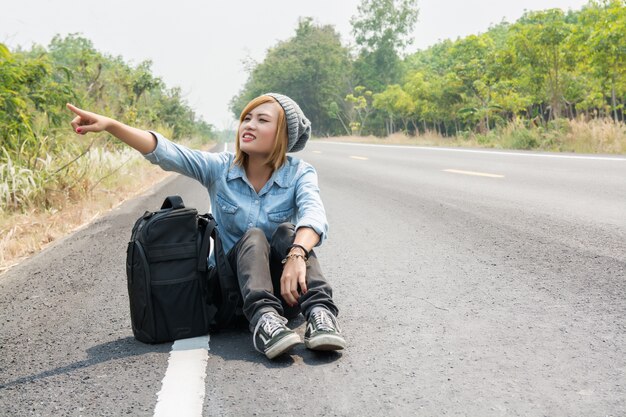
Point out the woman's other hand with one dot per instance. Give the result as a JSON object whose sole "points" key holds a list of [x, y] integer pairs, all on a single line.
{"points": [[87, 122], [294, 274]]}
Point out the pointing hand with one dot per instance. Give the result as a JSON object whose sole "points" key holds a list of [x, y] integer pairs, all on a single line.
{"points": [[87, 122]]}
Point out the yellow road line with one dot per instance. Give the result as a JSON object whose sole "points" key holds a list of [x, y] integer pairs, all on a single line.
{"points": [[478, 174], [362, 158]]}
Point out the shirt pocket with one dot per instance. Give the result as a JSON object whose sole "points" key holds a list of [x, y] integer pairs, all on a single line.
{"points": [[229, 213], [281, 216]]}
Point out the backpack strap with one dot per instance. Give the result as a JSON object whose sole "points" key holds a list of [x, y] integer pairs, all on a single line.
{"points": [[208, 224], [173, 202], [228, 283], [229, 287], [209, 227]]}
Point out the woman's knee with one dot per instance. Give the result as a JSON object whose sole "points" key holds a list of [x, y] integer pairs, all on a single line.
{"points": [[284, 233], [255, 236]]}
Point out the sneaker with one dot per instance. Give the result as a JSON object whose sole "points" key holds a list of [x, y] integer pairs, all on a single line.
{"points": [[275, 338], [322, 331]]}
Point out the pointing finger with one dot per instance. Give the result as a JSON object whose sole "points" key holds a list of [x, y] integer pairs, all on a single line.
{"points": [[76, 110]]}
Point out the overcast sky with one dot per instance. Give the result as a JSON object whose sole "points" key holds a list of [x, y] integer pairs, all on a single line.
{"points": [[200, 45]]}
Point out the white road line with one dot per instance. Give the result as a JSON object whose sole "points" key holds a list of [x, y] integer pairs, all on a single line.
{"points": [[182, 390], [431, 148], [362, 158], [478, 174]]}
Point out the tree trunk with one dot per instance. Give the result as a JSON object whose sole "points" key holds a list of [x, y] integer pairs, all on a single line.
{"points": [[415, 128], [92, 84], [343, 124], [613, 99], [556, 93]]}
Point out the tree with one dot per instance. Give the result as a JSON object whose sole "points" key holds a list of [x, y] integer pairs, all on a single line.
{"points": [[313, 68], [384, 23], [605, 47], [85, 61], [474, 67], [396, 103], [360, 103], [382, 29], [540, 40]]}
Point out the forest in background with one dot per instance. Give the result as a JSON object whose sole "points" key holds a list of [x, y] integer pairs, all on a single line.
{"points": [[524, 85]]}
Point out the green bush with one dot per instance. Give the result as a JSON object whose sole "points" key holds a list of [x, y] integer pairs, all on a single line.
{"points": [[40, 157], [522, 138]]}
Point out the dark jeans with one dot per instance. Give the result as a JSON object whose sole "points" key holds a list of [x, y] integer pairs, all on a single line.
{"points": [[257, 264]]}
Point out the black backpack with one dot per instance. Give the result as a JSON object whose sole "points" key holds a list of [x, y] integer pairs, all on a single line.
{"points": [[173, 292]]}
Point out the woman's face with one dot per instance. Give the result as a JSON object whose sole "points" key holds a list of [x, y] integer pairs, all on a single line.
{"points": [[257, 131]]}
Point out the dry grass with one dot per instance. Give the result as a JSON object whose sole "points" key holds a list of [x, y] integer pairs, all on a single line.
{"points": [[578, 136], [118, 177], [598, 136], [24, 234], [428, 139]]}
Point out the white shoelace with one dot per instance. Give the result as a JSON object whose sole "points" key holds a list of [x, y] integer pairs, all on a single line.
{"points": [[271, 323], [325, 320]]}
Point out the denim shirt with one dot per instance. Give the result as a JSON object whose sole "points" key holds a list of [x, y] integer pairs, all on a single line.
{"points": [[291, 194]]}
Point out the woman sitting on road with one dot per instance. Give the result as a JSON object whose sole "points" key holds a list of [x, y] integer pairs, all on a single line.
{"points": [[256, 193]]}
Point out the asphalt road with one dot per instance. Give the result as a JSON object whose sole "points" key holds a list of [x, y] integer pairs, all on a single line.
{"points": [[469, 283]]}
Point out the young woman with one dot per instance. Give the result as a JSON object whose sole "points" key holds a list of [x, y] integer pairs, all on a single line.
{"points": [[269, 212]]}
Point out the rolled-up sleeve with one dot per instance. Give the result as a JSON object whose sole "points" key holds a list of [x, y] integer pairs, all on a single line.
{"points": [[202, 166], [311, 212]]}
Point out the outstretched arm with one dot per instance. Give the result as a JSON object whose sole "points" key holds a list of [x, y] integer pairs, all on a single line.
{"points": [[85, 122]]}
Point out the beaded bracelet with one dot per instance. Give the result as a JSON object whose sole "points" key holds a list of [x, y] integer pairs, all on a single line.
{"points": [[295, 245], [295, 255]]}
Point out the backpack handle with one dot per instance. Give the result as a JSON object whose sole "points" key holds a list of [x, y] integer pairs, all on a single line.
{"points": [[173, 202]]}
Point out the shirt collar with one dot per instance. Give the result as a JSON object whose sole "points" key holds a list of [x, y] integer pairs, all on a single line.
{"points": [[235, 171], [279, 176]]}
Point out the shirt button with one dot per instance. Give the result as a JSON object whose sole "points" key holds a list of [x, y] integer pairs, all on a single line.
{"points": [[256, 201], [249, 224]]}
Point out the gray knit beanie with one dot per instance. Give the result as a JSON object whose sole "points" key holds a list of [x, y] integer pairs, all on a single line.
{"points": [[298, 126]]}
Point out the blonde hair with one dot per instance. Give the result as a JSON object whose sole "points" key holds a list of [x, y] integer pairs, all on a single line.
{"points": [[278, 156]]}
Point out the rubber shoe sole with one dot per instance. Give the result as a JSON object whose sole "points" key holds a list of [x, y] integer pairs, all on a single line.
{"points": [[283, 345], [325, 342]]}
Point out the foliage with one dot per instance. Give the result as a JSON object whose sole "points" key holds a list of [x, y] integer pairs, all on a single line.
{"points": [[40, 157], [547, 65], [360, 108], [382, 30], [313, 68], [384, 23]]}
